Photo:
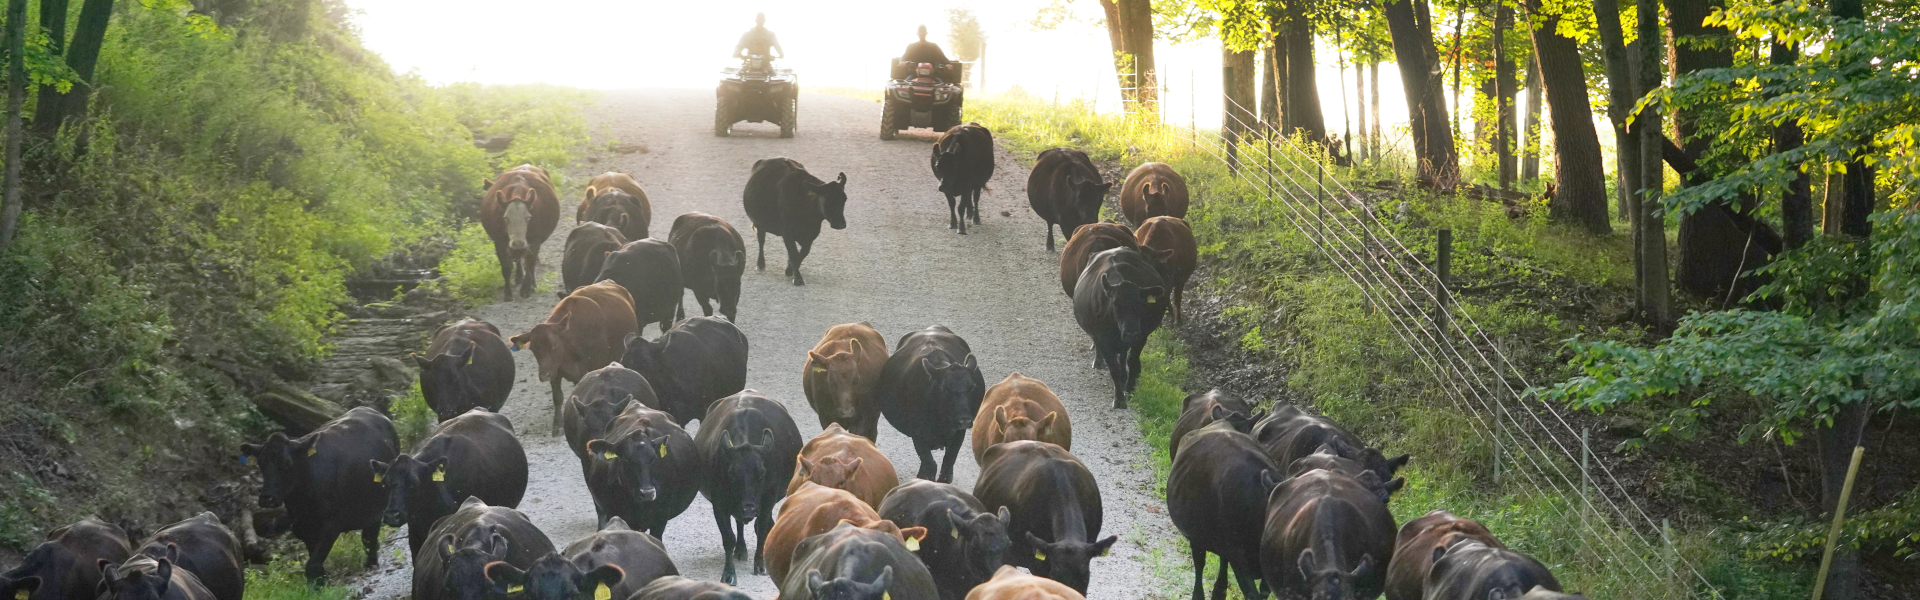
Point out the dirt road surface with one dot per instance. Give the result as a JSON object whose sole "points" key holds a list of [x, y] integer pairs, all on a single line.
{"points": [[896, 265]]}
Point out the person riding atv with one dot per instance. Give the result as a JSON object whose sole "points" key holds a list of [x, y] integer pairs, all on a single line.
{"points": [[759, 41], [923, 91], [755, 91]]}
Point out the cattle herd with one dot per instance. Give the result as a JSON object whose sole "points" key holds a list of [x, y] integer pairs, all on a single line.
{"points": [[1292, 503]]}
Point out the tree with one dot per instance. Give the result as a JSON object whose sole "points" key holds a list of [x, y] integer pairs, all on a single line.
{"points": [[1654, 298], [16, 48], [89, 32], [1503, 93], [1718, 244], [1302, 113], [1580, 191], [1411, 26], [964, 34], [53, 22], [1130, 30], [1530, 128]]}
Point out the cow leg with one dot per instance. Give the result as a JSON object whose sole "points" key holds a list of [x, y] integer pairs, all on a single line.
{"points": [[705, 307], [317, 551], [973, 205], [1117, 368], [761, 525], [1219, 582], [1133, 366], [726, 544], [925, 450], [1200, 570], [953, 451], [1179, 300], [1050, 236], [556, 404], [529, 272], [763, 247], [507, 265], [953, 222], [1247, 582], [806, 247], [740, 540]]}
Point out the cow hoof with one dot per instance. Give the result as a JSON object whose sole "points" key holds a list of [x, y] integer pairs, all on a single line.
{"points": [[1120, 403]]}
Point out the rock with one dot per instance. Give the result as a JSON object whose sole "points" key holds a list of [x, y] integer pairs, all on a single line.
{"points": [[495, 143], [395, 372]]}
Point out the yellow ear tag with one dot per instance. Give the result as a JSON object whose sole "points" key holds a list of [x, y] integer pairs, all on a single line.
{"points": [[440, 474], [609, 455], [886, 596], [312, 450], [956, 533], [1104, 552], [663, 451], [602, 593], [819, 369], [469, 359], [1038, 555], [21, 595], [1151, 300], [376, 478], [913, 545], [515, 589]]}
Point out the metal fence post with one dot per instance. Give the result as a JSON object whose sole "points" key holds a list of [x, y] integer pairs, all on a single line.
{"points": [[1443, 265]]}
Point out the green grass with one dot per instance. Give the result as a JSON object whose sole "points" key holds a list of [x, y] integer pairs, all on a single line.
{"points": [[284, 578]]}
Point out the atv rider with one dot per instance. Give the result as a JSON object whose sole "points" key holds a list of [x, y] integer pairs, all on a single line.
{"points": [[924, 51], [760, 40]]}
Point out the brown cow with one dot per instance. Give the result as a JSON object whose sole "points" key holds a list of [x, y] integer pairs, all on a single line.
{"points": [[1097, 238], [1020, 408], [813, 509], [1010, 584], [519, 212], [1168, 243], [1153, 190], [838, 459], [839, 377], [587, 330], [1414, 550], [608, 181]]}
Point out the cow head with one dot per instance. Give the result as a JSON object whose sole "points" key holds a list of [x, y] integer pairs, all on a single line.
{"points": [[1068, 561], [466, 563], [846, 588], [632, 458], [518, 214], [549, 348], [19, 589], [1381, 489], [1084, 207], [953, 382], [283, 465], [1020, 427], [841, 372], [142, 578], [832, 471], [556, 578], [746, 468], [449, 375], [982, 539], [1137, 309], [832, 201], [1325, 578], [410, 481], [1155, 194], [1378, 463]]}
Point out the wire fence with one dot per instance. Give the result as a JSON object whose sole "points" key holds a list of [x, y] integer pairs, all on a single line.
{"points": [[1534, 443]]}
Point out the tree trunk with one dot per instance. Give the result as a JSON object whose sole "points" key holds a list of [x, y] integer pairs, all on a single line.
{"points": [[1116, 35], [1620, 99], [1137, 16], [1655, 295], [89, 32], [1580, 192], [1530, 127], [1303, 116], [53, 19], [1837, 442], [1239, 83], [1360, 107], [1373, 103], [16, 97], [1714, 249], [1504, 91], [1796, 204], [1412, 31], [1270, 88], [1459, 22]]}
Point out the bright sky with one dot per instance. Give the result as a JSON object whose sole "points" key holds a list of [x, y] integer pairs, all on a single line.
{"points": [[613, 44]]}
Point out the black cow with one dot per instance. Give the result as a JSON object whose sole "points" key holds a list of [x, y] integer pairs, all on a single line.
{"points": [[681, 588], [1471, 570], [1119, 301], [325, 479], [747, 443], [1055, 505], [204, 547], [1200, 409], [474, 455], [702, 360], [965, 542], [66, 566], [650, 270], [467, 365], [1332, 456], [461, 546], [930, 389], [614, 562], [1215, 493], [148, 578], [588, 245], [1290, 433], [1326, 536], [643, 468], [849, 562], [783, 199], [620, 210], [712, 259], [1066, 190], [963, 161], [601, 395]]}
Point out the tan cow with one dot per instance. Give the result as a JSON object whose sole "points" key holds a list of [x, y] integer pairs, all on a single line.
{"points": [[1153, 190], [839, 377], [610, 181], [519, 212], [587, 330], [838, 459], [1010, 584], [1020, 408], [814, 509], [1168, 244]]}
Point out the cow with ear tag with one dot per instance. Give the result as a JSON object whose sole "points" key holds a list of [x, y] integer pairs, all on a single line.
{"points": [[149, 578], [965, 544], [783, 199], [1153, 190], [643, 469], [467, 365], [1020, 408], [473, 455], [748, 443], [203, 546], [1055, 505], [856, 563], [599, 397], [1326, 536], [65, 566], [930, 389], [839, 376], [325, 479], [713, 257], [1119, 301], [460, 547], [699, 361], [1333, 455], [585, 331]]}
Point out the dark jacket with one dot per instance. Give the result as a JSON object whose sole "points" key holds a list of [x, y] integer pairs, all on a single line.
{"points": [[924, 52]]}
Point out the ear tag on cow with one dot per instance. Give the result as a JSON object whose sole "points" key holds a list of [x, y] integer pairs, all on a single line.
{"points": [[956, 533], [913, 544], [515, 589], [440, 474], [663, 451], [1038, 555], [819, 369], [21, 595], [1104, 551], [602, 592], [243, 460], [312, 450], [376, 477], [469, 359], [883, 596], [1151, 300], [609, 455]]}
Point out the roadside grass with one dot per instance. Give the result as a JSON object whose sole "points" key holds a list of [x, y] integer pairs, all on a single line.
{"points": [[284, 578], [1289, 303]]}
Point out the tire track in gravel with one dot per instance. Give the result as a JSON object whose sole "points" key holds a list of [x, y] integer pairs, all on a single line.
{"points": [[896, 266]]}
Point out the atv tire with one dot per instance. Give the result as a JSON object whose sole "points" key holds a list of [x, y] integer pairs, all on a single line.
{"points": [[888, 116], [722, 119], [788, 122]]}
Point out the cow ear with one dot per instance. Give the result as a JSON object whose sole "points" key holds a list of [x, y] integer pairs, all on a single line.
{"points": [[814, 582], [1112, 278], [421, 361], [604, 576], [1005, 516], [854, 465], [1267, 482], [162, 571], [817, 358], [249, 449], [842, 180], [592, 191], [599, 447], [1046, 422], [1000, 416], [1365, 566], [498, 547], [970, 362], [445, 546], [1101, 547], [627, 342], [1396, 484], [1164, 255], [885, 579], [802, 466], [506, 578], [1219, 413], [1394, 464], [1306, 564], [26, 586], [486, 184], [306, 446], [466, 357], [1496, 594]]}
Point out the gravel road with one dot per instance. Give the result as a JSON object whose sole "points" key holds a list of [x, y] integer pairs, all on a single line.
{"points": [[896, 265]]}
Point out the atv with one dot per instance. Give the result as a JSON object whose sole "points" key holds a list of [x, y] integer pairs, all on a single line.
{"points": [[756, 92], [921, 95]]}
